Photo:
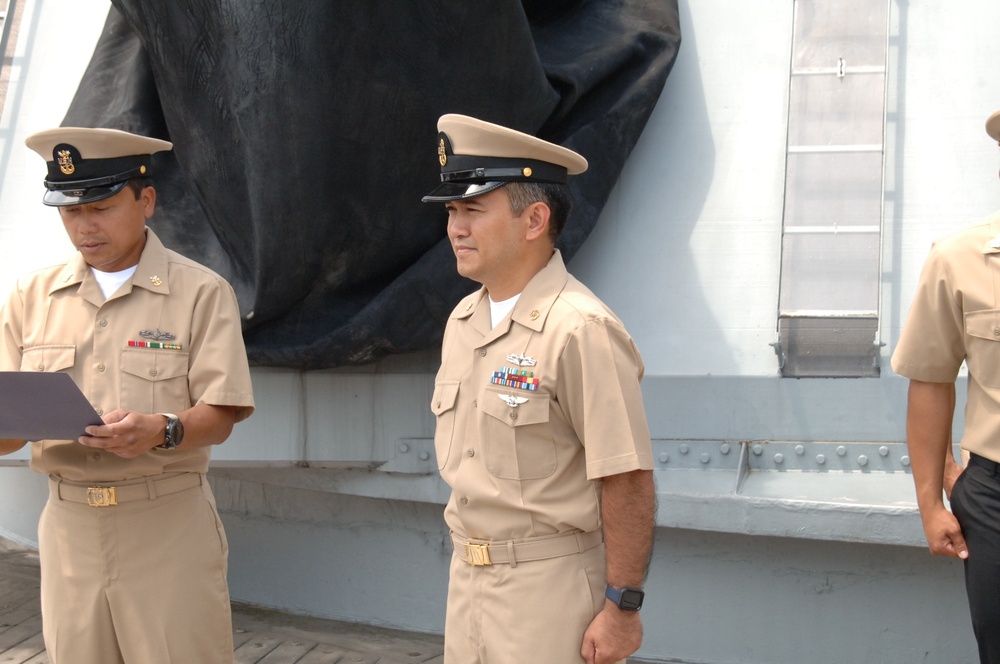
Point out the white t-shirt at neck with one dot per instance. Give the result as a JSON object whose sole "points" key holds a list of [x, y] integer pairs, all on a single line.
{"points": [[499, 310], [110, 282]]}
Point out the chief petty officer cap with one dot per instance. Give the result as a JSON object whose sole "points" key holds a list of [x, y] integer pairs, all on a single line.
{"points": [[87, 165], [477, 157], [993, 126]]}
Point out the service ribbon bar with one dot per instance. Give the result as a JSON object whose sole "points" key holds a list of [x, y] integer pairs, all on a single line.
{"points": [[518, 379], [154, 344]]}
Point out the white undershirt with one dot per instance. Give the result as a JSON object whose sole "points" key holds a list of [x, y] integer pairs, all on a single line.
{"points": [[499, 310], [110, 282]]}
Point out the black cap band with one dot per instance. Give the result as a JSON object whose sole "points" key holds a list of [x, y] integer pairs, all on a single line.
{"points": [[471, 168]]}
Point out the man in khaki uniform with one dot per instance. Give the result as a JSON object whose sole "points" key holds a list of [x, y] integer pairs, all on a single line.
{"points": [[133, 554], [955, 317], [541, 432]]}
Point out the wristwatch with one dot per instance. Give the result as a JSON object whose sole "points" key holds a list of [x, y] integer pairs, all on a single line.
{"points": [[627, 599], [174, 433]]}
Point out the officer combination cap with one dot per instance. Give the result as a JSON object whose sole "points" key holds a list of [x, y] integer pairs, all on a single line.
{"points": [[993, 126], [87, 165], [477, 157]]}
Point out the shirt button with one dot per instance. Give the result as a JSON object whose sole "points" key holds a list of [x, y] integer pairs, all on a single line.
{"points": [[437, 405], [100, 367], [513, 416], [41, 367], [152, 372], [996, 331], [99, 411], [464, 500], [95, 456], [471, 453], [482, 352], [104, 323], [475, 403]]}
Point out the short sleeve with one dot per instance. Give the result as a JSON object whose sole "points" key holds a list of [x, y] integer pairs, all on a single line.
{"points": [[932, 344], [599, 389]]}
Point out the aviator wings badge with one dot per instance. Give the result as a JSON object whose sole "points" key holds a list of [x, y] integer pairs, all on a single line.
{"points": [[511, 400]]}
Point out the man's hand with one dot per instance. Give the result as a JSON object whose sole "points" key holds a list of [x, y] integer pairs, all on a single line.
{"points": [[10, 445], [951, 472], [944, 535], [126, 433], [612, 636]]}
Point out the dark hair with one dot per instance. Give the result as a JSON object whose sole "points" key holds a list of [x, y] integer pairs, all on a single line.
{"points": [[556, 196], [137, 185]]}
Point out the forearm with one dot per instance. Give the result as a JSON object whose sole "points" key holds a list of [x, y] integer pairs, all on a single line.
{"points": [[929, 413], [206, 425], [628, 508]]}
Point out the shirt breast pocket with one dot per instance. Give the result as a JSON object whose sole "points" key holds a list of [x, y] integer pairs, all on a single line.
{"points": [[443, 407], [48, 358], [154, 381], [516, 438], [983, 352]]}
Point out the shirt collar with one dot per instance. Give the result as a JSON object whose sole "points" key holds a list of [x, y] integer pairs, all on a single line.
{"points": [[150, 274], [540, 294], [992, 243]]}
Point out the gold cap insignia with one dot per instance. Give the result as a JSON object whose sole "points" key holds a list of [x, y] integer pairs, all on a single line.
{"points": [[442, 153], [66, 162]]}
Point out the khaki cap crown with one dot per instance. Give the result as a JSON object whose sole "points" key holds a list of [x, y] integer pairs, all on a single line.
{"points": [[478, 156], [88, 164]]}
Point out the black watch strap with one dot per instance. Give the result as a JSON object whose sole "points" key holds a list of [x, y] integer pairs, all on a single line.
{"points": [[627, 599]]}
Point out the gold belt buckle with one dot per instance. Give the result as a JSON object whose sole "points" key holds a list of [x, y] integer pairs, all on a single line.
{"points": [[102, 496], [477, 555]]}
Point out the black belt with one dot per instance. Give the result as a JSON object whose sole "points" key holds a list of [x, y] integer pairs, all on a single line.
{"points": [[976, 460]]}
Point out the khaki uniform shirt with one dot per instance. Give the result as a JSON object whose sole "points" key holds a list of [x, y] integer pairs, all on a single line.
{"points": [[57, 319], [531, 413], [955, 316]]}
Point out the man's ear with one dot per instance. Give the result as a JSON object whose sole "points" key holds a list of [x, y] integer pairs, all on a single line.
{"points": [[148, 201], [538, 214]]}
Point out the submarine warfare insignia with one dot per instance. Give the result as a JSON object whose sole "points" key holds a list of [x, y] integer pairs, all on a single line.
{"points": [[511, 400], [156, 334], [521, 360], [160, 337]]}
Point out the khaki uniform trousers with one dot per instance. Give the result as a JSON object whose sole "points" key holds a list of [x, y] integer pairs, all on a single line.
{"points": [[524, 612], [141, 582]]}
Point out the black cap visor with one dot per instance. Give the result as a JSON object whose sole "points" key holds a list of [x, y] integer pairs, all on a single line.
{"points": [[81, 196], [453, 191]]}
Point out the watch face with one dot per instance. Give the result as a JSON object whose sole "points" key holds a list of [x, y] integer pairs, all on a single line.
{"points": [[631, 599], [174, 433]]}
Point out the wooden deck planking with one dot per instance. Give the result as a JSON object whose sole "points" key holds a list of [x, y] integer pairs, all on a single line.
{"points": [[260, 636]]}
